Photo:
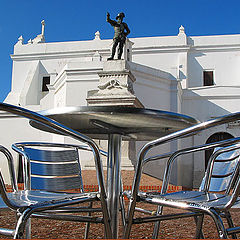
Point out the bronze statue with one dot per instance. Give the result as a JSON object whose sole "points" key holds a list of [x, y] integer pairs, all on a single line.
{"points": [[121, 31]]}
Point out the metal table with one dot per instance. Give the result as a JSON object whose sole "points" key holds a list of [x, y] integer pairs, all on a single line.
{"points": [[116, 124]]}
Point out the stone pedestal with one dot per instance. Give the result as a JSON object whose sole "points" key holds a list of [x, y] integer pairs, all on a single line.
{"points": [[116, 89], [115, 86]]}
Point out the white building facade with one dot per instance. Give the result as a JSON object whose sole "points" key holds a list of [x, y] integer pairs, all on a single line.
{"points": [[196, 76]]}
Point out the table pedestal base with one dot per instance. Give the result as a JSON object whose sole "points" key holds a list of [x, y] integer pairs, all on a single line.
{"points": [[114, 179]]}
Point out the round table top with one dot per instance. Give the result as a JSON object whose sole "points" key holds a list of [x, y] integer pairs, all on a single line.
{"points": [[132, 123]]}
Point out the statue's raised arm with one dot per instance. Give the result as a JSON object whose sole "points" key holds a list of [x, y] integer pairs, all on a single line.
{"points": [[109, 20], [121, 30], [108, 16]]}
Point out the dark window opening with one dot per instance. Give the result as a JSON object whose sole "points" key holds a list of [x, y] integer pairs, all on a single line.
{"points": [[45, 82], [215, 138], [208, 78]]}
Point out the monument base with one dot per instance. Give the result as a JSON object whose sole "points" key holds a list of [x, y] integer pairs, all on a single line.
{"points": [[115, 86], [130, 100]]}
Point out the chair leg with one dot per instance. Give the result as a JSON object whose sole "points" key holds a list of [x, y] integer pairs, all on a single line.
{"points": [[199, 223], [106, 218], [222, 233], [230, 223], [130, 215], [122, 210], [157, 224], [21, 223], [87, 228], [28, 229]]}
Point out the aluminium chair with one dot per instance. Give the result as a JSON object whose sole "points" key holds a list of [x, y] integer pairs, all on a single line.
{"points": [[55, 167], [3, 206], [194, 203], [28, 202]]}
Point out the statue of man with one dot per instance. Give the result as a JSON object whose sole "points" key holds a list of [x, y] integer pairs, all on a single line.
{"points": [[121, 31]]}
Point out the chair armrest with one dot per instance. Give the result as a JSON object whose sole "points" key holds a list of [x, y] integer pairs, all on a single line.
{"points": [[174, 136], [193, 149], [9, 157]]}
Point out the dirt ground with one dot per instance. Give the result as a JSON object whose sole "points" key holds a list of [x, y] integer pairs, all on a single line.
{"points": [[174, 229]]}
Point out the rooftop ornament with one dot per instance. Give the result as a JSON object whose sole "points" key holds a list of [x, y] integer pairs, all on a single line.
{"points": [[40, 38], [97, 36], [181, 30]]}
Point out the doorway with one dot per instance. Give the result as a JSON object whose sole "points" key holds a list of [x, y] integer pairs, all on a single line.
{"points": [[215, 138]]}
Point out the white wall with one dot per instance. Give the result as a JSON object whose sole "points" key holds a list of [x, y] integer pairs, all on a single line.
{"points": [[168, 73]]}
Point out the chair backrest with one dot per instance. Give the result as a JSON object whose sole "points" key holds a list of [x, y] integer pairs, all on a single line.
{"points": [[53, 167], [224, 170]]}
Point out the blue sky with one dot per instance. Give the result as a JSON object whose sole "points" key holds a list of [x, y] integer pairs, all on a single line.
{"points": [[74, 20]]}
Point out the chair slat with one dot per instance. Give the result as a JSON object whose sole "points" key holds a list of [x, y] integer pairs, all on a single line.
{"points": [[55, 184], [63, 155], [54, 169]]}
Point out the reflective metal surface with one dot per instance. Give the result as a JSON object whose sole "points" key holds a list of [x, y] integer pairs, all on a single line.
{"points": [[117, 124], [216, 208], [26, 202], [53, 168], [131, 123], [37, 197], [223, 169], [56, 167]]}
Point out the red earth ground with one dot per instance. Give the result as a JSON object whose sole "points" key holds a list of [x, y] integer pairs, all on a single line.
{"points": [[174, 229]]}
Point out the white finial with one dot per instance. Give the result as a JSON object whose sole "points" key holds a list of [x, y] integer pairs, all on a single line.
{"points": [[40, 37], [97, 35], [181, 29], [43, 27], [20, 39], [96, 56]]}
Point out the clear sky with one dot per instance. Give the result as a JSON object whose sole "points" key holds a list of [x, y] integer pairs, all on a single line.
{"points": [[74, 20]]}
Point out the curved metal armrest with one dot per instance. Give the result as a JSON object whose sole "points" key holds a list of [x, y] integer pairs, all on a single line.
{"points": [[9, 157], [66, 145], [174, 136], [193, 149], [173, 155], [3, 190]]}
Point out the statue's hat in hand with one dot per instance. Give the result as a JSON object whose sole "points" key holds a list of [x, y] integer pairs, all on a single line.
{"points": [[120, 15]]}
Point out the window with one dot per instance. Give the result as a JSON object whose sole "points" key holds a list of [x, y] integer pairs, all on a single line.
{"points": [[208, 78], [45, 82]]}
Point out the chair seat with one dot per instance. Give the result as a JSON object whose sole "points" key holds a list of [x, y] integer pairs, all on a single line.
{"points": [[37, 197], [187, 199]]}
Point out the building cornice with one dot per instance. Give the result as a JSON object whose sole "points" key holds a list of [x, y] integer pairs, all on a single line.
{"points": [[212, 93], [209, 97], [213, 48], [160, 49], [135, 51], [57, 55], [62, 77], [211, 87]]}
